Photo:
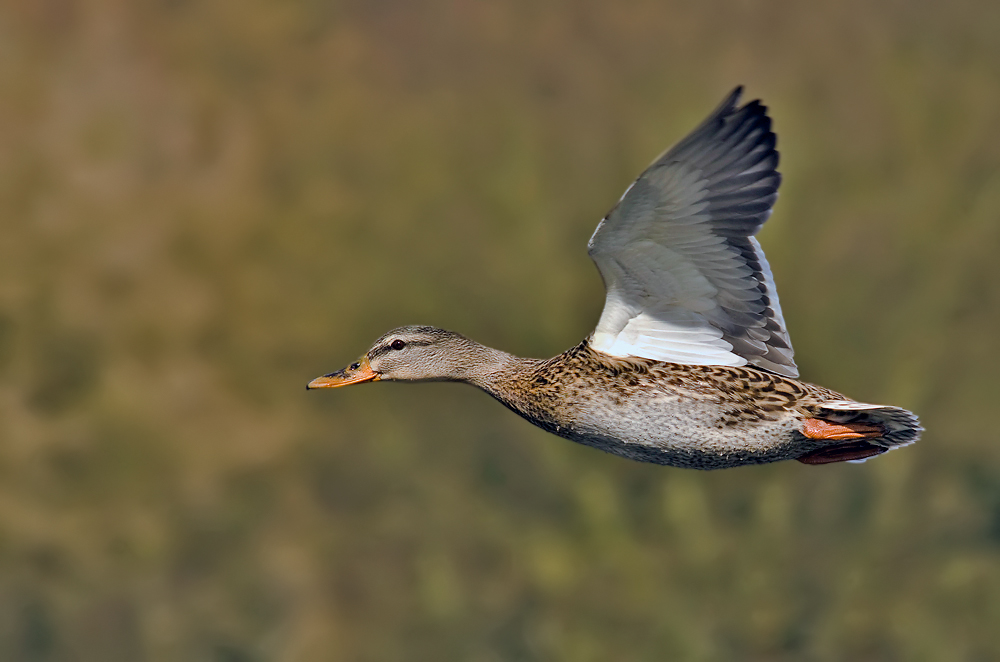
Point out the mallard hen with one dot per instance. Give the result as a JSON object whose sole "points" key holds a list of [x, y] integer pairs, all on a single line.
{"points": [[690, 364]]}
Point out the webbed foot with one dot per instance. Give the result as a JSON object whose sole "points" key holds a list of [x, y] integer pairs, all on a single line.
{"points": [[853, 451]]}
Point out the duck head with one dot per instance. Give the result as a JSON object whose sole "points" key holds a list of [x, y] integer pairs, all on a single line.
{"points": [[410, 354]]}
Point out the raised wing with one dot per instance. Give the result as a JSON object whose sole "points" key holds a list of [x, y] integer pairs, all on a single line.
{"points": [[686, 280]]}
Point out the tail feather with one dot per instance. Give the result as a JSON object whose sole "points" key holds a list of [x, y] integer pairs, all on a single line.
{"points": [[902, 427]]}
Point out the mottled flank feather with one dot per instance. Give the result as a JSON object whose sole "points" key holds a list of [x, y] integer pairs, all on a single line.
{"points": [[695, 416]]}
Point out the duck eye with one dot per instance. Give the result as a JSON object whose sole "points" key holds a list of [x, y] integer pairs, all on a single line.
{"points": [[355, 366], [397, 344]]}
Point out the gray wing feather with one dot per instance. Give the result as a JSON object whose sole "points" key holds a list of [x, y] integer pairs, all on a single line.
{"points": [[686, 279]]}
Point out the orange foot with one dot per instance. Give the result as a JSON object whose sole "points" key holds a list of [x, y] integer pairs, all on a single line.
{"points": [[815, 428]]}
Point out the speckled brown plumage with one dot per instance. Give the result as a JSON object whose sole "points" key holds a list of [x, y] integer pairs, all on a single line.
{"points": [[695, 416], [721, 416]]}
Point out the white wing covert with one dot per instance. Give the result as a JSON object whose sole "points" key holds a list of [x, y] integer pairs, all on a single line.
{"points": [[686, 280]]}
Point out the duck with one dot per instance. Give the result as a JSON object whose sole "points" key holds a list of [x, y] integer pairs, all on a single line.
{"points": [[690, 364]]}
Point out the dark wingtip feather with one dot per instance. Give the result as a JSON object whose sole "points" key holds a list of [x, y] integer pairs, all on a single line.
{"points": [[729, 105]]}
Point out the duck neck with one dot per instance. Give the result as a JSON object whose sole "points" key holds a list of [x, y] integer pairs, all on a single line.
{"points": [[488, 369], [501, 375]]}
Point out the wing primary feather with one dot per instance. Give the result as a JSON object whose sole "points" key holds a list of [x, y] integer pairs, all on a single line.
{"points": [[686, 280]]}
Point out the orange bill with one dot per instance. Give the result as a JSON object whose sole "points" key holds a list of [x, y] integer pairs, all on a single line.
{"points": [[353, 374]]}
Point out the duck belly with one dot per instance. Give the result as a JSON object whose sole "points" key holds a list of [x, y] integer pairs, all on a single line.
{"points": [[685, 432]]}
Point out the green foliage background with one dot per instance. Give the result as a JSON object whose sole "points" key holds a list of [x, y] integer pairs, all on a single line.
{"points": [[206, 204]]}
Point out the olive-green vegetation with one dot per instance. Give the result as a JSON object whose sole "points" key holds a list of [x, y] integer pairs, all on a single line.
{"points": [[206, 204]]}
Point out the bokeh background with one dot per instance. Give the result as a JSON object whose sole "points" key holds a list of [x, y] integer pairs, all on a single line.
{"points": [[206, 204]]}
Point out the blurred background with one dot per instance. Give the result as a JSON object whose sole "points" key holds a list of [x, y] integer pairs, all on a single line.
{"points": [[206, 204]]}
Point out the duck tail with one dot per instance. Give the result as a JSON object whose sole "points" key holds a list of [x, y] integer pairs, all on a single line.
{"points": [[864, 431]]}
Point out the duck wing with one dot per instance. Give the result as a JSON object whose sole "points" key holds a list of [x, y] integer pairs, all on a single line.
{"points": [[686, 280]]}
